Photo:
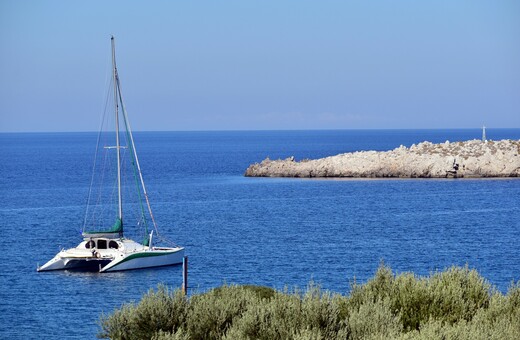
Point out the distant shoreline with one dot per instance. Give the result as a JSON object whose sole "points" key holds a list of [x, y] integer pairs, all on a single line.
{"points": [[468, 159]]}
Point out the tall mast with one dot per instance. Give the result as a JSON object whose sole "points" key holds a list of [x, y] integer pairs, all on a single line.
{"points": [[115, 80], [134, 152]]}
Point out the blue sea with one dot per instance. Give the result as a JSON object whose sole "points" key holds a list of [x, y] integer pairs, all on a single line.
{"points": [[264, 231]]}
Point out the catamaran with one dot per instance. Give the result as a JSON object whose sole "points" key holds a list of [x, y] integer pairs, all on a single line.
{"points": [[106, 249]]}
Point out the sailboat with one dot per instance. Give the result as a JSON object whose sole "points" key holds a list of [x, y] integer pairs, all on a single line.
{"points": [[106, 249]]}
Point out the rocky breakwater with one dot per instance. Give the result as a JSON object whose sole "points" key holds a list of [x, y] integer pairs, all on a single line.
{"points": [[472, 158]]}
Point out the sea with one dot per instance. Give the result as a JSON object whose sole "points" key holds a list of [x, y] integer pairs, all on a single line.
{"points": [[276, 232]]}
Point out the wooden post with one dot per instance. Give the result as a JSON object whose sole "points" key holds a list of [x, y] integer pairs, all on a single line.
{"points": [[185, 275]]}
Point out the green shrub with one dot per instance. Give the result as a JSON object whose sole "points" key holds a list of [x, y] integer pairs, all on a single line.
{"points": [[454, 304], [374, 320], [273, 319], [261, 292], [162, 310], [313, 315], [457, 294], [449, 296], [211, 314]]}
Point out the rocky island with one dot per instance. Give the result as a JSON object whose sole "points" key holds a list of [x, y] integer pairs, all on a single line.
{"points": [[473, 158]]}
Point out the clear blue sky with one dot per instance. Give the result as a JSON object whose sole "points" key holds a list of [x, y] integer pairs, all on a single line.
{"points": [[228, 65]]}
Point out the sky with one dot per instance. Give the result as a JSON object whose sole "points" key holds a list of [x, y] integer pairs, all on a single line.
{"points": [[261, 65]]}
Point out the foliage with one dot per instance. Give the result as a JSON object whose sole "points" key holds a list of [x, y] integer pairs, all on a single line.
{"points": [[454, 304], [162, 310]]}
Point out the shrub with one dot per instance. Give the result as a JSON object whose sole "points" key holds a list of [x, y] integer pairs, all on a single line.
{"points": [[374, 320], [211, 314], [311, 315], [454, 304], [449, 296], [162, 310], [457, 294]]}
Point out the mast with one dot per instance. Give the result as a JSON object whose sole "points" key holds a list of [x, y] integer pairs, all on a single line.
{"points": [[115, 79], [134, 152]]}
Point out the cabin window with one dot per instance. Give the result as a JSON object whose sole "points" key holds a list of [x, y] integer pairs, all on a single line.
{"points": [[90, 244], [113, 245], [102, 244]]}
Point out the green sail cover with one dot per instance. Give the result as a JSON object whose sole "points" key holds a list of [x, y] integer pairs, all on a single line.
{"points": [[117, 228]]}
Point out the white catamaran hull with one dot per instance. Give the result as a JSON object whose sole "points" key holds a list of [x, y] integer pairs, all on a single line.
{"points": [[63, 261], [128, 255], [146, 259]]}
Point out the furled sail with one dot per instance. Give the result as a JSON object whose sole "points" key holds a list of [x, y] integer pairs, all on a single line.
{"points": [[115, 231]]}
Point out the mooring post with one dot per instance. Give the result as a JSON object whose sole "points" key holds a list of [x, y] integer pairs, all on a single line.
{"points": [[185, 275]]}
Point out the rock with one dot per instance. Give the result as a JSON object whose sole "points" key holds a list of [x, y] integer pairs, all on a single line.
{"points": [[427, 160]]}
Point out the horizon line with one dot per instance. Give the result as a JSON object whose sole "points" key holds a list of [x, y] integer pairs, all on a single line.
{"points": [[281, 130]]}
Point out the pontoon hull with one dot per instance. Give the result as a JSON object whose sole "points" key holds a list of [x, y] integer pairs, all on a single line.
{"points": [[79, 264], [125, 255], [146, 259]]}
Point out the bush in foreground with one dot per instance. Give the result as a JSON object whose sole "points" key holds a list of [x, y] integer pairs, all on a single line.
{"points": [[455, 304]]}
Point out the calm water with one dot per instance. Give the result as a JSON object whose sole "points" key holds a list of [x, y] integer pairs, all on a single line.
{"points": [[273, 232]]}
